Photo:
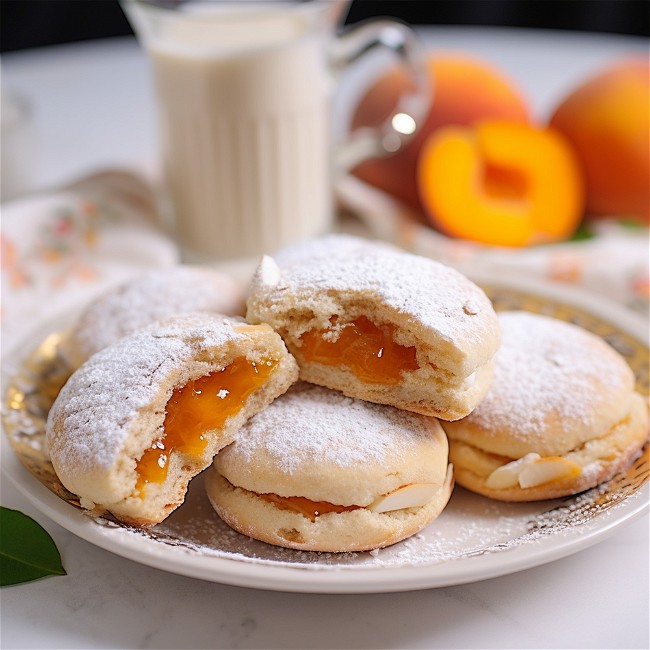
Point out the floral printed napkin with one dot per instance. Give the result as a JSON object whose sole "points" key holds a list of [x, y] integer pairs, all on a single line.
{"points": [[61, 248]]}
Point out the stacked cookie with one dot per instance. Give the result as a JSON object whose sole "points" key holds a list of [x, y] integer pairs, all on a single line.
{"points": [[317, 470], [560, 417], [332, 411]]}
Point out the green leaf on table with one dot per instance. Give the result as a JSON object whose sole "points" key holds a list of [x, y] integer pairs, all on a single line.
{"points": [[27, 552], [583, 232], [629, 223]]}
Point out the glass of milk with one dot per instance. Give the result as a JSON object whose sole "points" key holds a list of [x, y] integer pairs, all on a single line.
{"points": [[245, 109]]}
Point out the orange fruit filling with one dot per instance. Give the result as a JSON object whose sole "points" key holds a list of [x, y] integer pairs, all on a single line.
{"points": [[199, 406], [503, 183], [368, 350], [304, 506]]}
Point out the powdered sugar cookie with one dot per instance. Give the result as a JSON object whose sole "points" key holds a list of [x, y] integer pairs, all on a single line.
{"points": [[561, 416], [382, 326], [148, 298], [329, 246], [140, 418], [320, 471]]}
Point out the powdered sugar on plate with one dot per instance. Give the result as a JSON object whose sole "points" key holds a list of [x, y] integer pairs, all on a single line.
{"points": [[470, 526]]}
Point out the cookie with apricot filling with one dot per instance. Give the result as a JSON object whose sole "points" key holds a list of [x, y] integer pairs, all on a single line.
{"points": [[561, 416], [319, 471], [140, 418], [383, 326]]}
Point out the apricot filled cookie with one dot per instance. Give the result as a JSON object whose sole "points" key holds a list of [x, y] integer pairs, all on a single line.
{"points": [[319, 471], [382, 326], [561, 417], [139, 419], [146, 299]]}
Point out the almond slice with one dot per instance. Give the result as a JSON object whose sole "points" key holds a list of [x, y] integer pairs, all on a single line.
{"points": [[269, 272], [507, 476], [545, 470], [407, 496]]}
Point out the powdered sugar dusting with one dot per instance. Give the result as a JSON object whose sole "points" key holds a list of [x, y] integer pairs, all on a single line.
{"points": [[548, 368], [329, 246], [310, 422], [469, 527], [471, 532], [152, 297], [101, 399], [434, 295]]}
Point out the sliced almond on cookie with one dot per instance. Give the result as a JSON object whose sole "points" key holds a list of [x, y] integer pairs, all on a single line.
{"points": [[545, 470], [507, 476], [408, 496]]}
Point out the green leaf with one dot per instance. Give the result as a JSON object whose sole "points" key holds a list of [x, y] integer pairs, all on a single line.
{"points": [[583, 232], [629, 223], [27, 552]]}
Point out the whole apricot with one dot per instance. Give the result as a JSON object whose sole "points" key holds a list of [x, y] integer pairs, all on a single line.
{"points": [[465, 90], [607, 121], [501, 183]]}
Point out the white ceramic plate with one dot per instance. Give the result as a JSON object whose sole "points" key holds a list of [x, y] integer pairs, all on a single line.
{"points": [[474, 539]]}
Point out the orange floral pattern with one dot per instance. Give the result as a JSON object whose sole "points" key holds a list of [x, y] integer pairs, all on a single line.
{"points": [[565, 267], [67, 241], [12, 267]]}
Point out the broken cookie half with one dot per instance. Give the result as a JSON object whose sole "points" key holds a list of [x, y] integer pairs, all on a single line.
{"points": [[140, 418], [382, 326]]}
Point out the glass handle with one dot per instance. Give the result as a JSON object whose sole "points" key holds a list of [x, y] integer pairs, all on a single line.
{"points": [[412, 107]]}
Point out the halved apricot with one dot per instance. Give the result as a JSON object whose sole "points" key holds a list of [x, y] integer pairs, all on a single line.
{"points": [[502, 183]]}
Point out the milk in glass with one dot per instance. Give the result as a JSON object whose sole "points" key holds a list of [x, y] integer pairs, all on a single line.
{"points": [[244, 106]]}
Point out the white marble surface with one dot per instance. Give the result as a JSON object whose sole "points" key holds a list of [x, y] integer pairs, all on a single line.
{"points": [[93, 107]]}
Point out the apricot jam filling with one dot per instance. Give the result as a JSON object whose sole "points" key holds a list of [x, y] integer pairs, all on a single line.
{"points": [[368, 350], [305, 507], [199, 406]]}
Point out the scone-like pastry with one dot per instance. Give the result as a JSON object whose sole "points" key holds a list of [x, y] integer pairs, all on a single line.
{"points": [[146, 299], [319, 471], [561, 416], [382, 326], [140, 418]]}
